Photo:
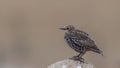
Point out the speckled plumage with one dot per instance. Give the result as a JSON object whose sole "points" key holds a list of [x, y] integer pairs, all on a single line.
{"points": [[80, 41]]}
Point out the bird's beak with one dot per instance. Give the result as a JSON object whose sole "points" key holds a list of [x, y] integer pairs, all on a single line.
{"points": [[62, 28]]}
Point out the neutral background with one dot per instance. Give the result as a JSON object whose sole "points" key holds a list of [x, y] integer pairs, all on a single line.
{"points": [[29, 34]]}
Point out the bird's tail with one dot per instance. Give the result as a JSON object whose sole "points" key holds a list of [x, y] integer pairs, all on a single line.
{"points": [[97, 51], [100, 52]]}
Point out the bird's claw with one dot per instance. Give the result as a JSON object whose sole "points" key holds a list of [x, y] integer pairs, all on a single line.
{"points": [[76, 58]]}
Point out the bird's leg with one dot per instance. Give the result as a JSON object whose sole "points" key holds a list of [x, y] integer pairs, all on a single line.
{"points": [[81, 60], [78, 57]]}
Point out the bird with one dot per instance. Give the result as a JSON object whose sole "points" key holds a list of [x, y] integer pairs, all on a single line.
{"points": [[80, 41]]}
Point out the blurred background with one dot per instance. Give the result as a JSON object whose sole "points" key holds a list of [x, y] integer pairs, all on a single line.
{"points": [[30, 38]]}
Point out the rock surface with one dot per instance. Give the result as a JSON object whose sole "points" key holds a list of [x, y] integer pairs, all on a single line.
{"points": [[70, 64]]}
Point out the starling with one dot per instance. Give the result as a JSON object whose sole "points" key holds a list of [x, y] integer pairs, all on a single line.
{"points": [[80, 41]]}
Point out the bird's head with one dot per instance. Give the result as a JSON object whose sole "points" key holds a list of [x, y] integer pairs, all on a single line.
{"points": [[68, 27]]}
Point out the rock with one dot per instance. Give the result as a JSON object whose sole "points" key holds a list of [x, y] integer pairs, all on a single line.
{"points": [[70, 64]]}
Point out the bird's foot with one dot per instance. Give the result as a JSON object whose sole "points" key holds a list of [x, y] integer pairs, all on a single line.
{"points": [[82, 60], [76, 58]]}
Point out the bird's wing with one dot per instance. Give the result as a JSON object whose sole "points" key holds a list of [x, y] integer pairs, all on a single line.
{"points": [[77, 42], [86, 42], [91, 46], [82, 38]]}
